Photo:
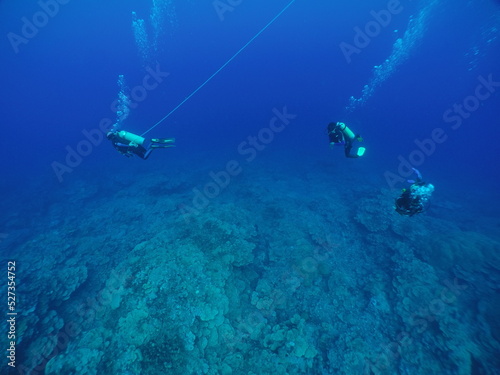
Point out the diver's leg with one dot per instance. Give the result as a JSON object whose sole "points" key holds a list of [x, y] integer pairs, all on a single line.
{"points": [[148, 152], [347, 150], [142, 152], [156, 145]]}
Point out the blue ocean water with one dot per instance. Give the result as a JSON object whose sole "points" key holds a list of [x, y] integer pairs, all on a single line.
{"points": [[252, 246]]}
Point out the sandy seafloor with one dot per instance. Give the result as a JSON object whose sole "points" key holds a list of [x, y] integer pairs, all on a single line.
{"points": [[291, 269]]}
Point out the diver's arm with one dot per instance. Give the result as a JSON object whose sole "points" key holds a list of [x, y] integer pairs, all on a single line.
{"points": [[418, 180], [122, 148], [417, 172], [122, 145]]}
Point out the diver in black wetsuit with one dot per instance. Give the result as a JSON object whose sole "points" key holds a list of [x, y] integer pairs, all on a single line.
{"points": [[130, 144], [340, 134], [416, 198]]}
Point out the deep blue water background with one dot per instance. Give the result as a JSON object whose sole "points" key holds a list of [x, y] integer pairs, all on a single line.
{"points": [[64, 80]]}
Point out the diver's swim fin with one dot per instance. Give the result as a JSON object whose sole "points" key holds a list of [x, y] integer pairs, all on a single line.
{"points": [[163, 140], [161, 146], [361, 151]]}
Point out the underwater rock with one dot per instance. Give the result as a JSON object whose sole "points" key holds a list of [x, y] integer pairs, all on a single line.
{"points": [[135, 328], [472, 252], [372, 215], [82, 361]]}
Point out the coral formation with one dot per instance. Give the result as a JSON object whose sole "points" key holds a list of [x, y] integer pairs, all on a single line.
{"points": [[258, 282]]}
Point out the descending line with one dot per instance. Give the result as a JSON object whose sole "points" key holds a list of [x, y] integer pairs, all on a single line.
{"points": [[221, 68]]}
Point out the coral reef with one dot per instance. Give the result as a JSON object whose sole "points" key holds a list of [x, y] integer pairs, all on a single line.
{"points": [[265, 279]]}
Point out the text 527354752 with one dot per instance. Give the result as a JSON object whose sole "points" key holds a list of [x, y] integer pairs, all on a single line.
{"points": [[11, 314]]}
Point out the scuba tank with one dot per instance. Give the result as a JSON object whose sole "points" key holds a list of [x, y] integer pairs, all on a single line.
{"points": [[349, 138], [133, 138], [347, 132]]}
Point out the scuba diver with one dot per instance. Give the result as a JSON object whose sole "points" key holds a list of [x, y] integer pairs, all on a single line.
{"points": [[129, 144], [340, 134], [416, 199]]}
